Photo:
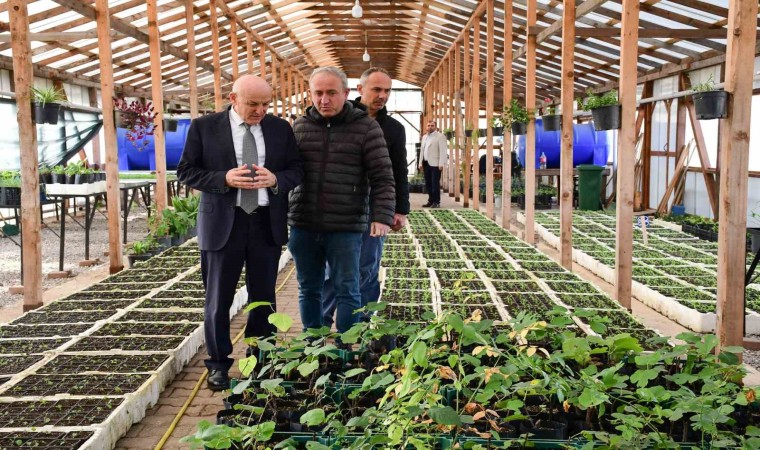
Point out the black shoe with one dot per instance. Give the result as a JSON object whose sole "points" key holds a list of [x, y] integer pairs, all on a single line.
{"points": [[218, 380], [435, 205], [428, 205]]}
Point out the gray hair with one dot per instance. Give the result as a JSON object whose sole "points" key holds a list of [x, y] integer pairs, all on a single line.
{"points": [[370, 71], [332, 70]]}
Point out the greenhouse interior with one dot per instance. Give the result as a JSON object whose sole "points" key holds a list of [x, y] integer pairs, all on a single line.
{"points": [[276, 224]]}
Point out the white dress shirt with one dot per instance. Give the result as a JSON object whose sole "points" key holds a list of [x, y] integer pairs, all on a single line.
{"points": [[238, 131]]}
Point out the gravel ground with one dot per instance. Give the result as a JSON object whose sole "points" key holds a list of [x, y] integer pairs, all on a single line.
{"points": [[10, 253]]}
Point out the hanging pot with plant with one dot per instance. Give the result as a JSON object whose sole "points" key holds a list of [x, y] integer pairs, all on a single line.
{"points": [[605, 110], [170, 123], [47, 104], [137, 118], [449, 133], [551, 120], [709, 103], [468, 130], [497, 125], [516, 117]]}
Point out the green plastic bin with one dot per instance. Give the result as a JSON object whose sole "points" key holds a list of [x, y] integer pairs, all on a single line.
{"points": [[589, 187]]}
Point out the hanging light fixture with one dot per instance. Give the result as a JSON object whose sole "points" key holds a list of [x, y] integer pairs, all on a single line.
{"points": [[356, 11], [365, 56]]}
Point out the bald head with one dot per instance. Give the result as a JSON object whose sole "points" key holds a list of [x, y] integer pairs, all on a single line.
{"points": [[250, 98]]}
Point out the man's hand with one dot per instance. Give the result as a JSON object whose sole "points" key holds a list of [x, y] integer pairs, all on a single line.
{"points": [[240, 178], [440, 168], [378, 229], [263, 178], [399, 220]]}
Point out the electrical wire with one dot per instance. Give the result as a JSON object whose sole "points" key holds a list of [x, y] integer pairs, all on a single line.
{"points": [[198, 385]]}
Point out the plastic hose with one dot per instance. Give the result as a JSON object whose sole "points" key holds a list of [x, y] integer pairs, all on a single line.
{"points": [[198, 385]]}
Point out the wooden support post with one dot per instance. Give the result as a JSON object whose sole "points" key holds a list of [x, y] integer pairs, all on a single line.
{"points": [[262, 60], [234, 48], [530, 138], [158, 104], [192, 70], [282, 89], [468, 118], [92, 94], [249, 51], [646, 146], [678, 171], [734, 167], [566, 158], [506, 160], [275, 85], [629, 37], [214, 23], [475, 111], [457, 121], [289, 95], [490, 83], [23, 80], [103, 19]]}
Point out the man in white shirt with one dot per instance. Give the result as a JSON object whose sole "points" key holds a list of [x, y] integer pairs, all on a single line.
{"points": [[434, 156]]}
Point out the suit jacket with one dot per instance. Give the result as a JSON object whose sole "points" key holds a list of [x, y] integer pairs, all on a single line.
{"points": [[437, 148], [209, 154]]}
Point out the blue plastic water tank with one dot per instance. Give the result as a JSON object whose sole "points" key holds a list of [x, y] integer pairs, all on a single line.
{"points": [[132, 159], [589, 146]]}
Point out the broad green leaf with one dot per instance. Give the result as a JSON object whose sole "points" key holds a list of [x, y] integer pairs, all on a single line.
{"points": [[419, 353], [307, 368], [455, 321], [453, 359], [314, 445], [265, 346], [321, 381], [253, 305], [354, 372], [283, 322], [591, 397], [445, 416], [271, 384], [247, 365], [242, 386], [313, 417]]}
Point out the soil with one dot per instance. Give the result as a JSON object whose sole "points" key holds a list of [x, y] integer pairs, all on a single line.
{"points": [[89, 305], [126, 286], [103, 363], [164, 316], [54, 440], [181, 294], [408, 312], [140, 276], [63, 317], [10, 365], [27, 346], [146, 329], [49, 385], [24, 331], [402, 296], [190, 303], [142, 343], [57, 413], [104, 295]]}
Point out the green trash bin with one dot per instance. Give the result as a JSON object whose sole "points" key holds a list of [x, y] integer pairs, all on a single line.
{"points": [[589, 187]]}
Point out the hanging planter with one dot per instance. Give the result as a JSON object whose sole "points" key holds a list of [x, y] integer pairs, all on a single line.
{"points": [[711, 104], [46, 104], [124, 119], [468, 133], [605, 110], [170, 125], [552, 122], [519, 128]]}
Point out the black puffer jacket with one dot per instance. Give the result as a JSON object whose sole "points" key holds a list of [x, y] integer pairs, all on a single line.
{"points": [[342, 158], [395, 140]]}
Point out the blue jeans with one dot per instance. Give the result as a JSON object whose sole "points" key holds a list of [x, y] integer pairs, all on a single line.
{"points": [[311, 250], [369, 269]]}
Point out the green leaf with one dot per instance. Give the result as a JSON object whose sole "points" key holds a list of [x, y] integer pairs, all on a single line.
{"points": [[242, 386], [591, 397], [247, 365], [419, 353], [453, 359], [265, 346], [314, 445], [283, 322], [321, 381], [271, 385], [313, 417], [455, 322], [307, 368], [643, 376], [354, 372], [445, 416], [253, 305]]}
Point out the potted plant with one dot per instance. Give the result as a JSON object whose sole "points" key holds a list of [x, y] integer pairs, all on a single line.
{"points": [[138, 251], [551, 120], [449, 133], [497, 125], [170, 123], [709, 103], [516, 117], [468, 130], [47, 104], [58, 175], [10, 187], [46, 174], [605, 110], [754, 233], [137, 118]]}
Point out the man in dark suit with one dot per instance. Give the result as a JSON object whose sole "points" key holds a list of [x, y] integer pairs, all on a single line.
{"points": [[244, 162]]}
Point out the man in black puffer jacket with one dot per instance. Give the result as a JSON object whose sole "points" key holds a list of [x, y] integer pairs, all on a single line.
{"points": [[346, 170]]}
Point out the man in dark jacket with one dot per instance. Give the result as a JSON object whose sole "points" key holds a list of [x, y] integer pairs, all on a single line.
{"points": [[347, 174], [244, 162], [375, 89]]}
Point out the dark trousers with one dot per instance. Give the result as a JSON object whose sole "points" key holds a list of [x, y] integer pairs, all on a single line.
{"points": [[432, 182], [250, 244]]}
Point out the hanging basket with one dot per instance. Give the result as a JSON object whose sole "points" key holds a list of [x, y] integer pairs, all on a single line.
{"points": [[46, 113], [124, 119], [497, 131], [449, 134], [711, 104], [606, 117], [468, 133], [519, 128], [552, 123], [170, 125]]}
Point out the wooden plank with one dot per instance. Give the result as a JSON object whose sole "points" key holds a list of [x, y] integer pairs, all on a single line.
{"points": [[262, 61], [566, 158], [92, 95], [646, 148], [275, 84], [466, 61], [249, 51], [457, 120], [490, 82], [678, 171], [626, 152], [234, 44], [506, 160], [475, 113], [64, 36], [530, 139], [734, 165], [450, 122], [115, 256], [649, 32], [214, 22], [158, 104], [27, 135], [192, 69]]}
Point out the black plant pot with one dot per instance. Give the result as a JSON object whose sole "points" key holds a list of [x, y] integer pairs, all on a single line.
{"points": [[606, 117], [552, 123], [519, 128], [57, 178], [449, 134], [755, 239], [711, 104], [71, 179], [134, 258], [468, 133], [170, 125], [497, 131], [46, 113], [46, 178]]}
